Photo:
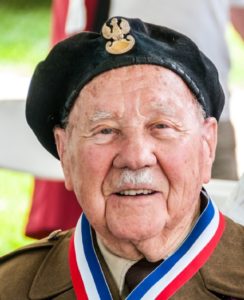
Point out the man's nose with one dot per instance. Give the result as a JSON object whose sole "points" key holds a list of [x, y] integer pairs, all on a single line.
{"points": [[135, 152]]}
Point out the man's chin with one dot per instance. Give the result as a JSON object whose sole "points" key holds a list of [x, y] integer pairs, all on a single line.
{"points": [[134, 233]]}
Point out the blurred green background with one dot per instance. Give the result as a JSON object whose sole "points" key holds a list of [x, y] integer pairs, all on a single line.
{"points": [[24, 41], [24, 32]]}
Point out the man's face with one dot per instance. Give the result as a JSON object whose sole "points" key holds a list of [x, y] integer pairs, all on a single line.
{"points": [[136, 152]]}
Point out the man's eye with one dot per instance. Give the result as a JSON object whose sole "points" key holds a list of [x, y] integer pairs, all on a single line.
{"points": [[107, 131], [161, 126], [105, 135]]}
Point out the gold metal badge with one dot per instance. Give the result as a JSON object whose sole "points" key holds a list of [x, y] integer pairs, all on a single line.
{"points": [[120, 41]]}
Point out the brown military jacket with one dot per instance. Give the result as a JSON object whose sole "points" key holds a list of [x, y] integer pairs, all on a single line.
{"points": [[41, 271]]}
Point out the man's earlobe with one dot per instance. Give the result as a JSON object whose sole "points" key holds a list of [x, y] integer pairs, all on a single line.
{"points": [[210, 135], [210, 144], [60, 136], [61, 143]]}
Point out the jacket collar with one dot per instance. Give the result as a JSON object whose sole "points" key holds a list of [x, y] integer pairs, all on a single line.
{"points": [[53, 275]]}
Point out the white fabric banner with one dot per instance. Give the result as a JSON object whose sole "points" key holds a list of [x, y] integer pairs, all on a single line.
{"points": [[19, 149], [76, 17]]}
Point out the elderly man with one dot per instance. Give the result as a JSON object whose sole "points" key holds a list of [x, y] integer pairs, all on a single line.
{"points": [[132, 114]]}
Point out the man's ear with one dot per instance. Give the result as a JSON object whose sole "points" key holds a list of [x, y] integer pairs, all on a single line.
{"points": [[61, 141], [210, 130]]}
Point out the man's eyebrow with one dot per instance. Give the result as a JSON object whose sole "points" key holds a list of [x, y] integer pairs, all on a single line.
{"points": [[100, 115]]}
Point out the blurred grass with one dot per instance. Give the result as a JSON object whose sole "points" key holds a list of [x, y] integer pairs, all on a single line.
{"points": [[24, 41], [24, 32]]}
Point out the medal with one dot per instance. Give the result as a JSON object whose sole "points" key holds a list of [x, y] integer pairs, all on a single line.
{"points": [[89, 280]]}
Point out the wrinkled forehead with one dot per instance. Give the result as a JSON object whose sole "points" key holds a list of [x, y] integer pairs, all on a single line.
{"points": [[140, 75], [143, 89], [147, 79]]}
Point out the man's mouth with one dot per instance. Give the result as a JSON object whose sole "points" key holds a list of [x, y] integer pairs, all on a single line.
{"points": [[135, 192]]}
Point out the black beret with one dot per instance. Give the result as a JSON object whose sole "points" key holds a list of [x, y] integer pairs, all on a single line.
{"points": [[72, 63]]}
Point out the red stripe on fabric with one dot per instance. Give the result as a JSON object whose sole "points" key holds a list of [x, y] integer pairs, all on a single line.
{"points": [[59, 14], [75, 274], [91, 11], [195, 265]]}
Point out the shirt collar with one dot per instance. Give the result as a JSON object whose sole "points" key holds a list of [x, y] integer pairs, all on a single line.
{"points": [[117, 265]]}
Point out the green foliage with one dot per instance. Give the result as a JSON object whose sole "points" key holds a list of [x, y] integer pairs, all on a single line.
{"points": [[25, 4], [24, 32], [15, 196]]}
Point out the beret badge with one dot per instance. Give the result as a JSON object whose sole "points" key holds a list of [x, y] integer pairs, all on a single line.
{"points": [[117, 32]]}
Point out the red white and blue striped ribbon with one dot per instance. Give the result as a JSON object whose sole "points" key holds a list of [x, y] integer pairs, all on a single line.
{"points": [[89, 281]]}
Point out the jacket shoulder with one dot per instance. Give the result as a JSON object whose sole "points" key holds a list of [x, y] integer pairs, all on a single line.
{"points": [[19, 268], [224, 271]]}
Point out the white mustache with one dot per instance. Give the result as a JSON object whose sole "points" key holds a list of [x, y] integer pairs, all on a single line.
{"points": [[142, 176]]}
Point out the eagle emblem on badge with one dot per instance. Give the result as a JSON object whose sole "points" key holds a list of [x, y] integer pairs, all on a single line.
{"points": [[120, 41]]}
